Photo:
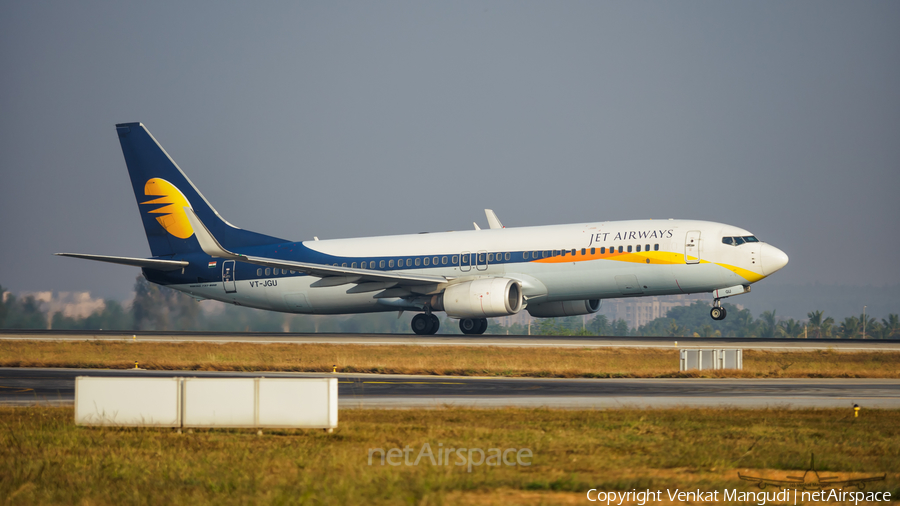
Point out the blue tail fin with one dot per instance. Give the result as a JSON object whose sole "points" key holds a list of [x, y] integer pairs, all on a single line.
{"points": [[162, 191]]}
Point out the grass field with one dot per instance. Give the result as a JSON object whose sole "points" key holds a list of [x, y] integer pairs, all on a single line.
{"points": [[444, 360], [46, 459]]}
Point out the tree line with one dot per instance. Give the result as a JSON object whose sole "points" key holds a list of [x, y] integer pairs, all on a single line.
{"points": [[157, 308]]}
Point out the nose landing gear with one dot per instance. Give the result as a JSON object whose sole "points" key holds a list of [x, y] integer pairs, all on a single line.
{"points": [[425, 324], [718, 312], [473, 325]]}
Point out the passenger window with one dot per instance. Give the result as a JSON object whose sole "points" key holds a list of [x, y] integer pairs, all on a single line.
{"points": [[418, 261], [490, 257], [267, 271], [464, 259], [638, 249], [353, 265], [426, 261], [481, 258], [444, 261], [390, 263], [563, 252], [506, 256], [372, 264], [293, 272], [646, 247], [259, 272], [344, 264], [409, 262], [594, 250], [583, 251], [524, 255], [381, 264], [454, 259], [546, 253], [656, 247], [399, 262], [620, 249], [629, 249], [602, 250], [434, 260]]}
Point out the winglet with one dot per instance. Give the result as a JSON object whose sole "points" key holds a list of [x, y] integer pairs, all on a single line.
{"points": [[208, 243], [493, 221]]}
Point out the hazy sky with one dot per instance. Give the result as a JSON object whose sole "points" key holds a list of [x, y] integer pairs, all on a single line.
{"points": [[342, 119]]}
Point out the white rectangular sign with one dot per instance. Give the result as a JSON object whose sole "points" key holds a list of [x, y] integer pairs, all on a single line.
{"points": [[117, 401], [219, 402]]}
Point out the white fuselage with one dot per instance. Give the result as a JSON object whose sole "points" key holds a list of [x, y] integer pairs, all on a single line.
{"points": [[658, 257]]}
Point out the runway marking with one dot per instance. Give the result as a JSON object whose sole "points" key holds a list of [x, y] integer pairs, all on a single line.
{"points": [[20, 389], [402, 382]]}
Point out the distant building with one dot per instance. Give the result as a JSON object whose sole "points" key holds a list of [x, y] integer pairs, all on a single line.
{"points": [[71, 304]]}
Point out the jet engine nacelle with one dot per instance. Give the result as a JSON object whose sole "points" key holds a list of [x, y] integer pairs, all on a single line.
{"points": [[564, 308], [481, 298]]}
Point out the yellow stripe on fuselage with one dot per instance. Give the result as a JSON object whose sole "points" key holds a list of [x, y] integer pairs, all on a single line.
{"points": [[647, 257]]}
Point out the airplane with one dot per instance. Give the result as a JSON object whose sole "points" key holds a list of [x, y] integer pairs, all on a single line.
{"points": [[472, 275], [811, 480]]}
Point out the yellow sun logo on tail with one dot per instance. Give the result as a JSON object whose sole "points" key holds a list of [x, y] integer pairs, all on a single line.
{"points": [[173, 218]]}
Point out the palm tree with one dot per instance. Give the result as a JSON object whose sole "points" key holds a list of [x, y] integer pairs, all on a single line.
{"points": [[790, 328], [767, 326], [850, 327], [819, 327], [891, 327], [866, 323]]}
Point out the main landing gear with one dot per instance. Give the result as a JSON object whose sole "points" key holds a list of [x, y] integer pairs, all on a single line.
{"points": [[473, 325], [424, 324], [717, 312]]}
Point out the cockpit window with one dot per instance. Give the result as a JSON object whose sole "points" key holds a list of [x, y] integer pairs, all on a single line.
{"points": [[737, 241]]}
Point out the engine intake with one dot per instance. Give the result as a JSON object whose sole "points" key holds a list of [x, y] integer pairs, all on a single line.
{"points": [[564, 308], [481, 298]]}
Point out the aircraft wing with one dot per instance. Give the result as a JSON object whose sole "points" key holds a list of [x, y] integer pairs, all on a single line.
{"points": [[332, 275], [147, 263], [858, 482]]}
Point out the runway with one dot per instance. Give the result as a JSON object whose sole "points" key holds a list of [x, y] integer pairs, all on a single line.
{"points": [[464, 340], [22, 386]]}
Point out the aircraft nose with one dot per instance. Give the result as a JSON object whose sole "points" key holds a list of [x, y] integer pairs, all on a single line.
{"points": [[773, 259]]}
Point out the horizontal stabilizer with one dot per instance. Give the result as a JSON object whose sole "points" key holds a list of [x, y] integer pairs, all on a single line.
{"points": [[146, 263]]}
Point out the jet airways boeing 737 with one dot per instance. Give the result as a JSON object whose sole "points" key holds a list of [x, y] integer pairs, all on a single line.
{"points": [[473, 275]]}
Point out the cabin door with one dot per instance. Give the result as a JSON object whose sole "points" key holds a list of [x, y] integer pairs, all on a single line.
{"points": [[692, 247], [228, 276]]}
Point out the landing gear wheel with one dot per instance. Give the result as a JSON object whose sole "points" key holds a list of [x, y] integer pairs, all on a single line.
{"points": [[422, 324], [716, 313], [483, 326], [435, 324], [724, 313], [469, 325]]}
